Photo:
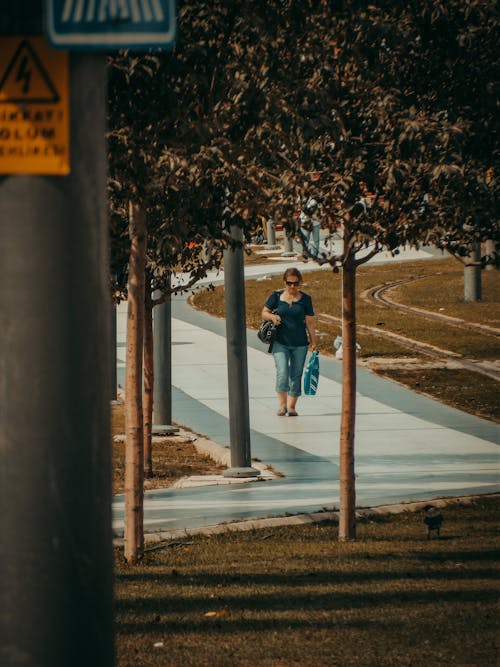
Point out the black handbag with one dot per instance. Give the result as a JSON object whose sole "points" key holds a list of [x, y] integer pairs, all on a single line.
{"points": [[267, 332]]}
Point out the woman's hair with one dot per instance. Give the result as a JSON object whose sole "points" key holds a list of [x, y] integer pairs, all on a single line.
{"points": [[292, 272]]}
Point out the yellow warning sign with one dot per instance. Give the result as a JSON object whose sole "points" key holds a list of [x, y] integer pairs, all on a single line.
{"points": [[34, 107]]}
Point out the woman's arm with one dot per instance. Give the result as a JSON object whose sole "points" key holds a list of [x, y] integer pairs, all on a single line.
{"points": [[267, 314], [311, 330]]}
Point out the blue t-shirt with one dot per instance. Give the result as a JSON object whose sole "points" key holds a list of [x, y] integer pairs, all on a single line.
{"points": [[292, 331]]}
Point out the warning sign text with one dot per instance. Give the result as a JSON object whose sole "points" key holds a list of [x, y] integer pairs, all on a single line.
{"points": [[34, 107]]}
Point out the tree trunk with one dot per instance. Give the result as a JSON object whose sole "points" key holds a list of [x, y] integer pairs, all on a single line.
{"points": [[147, 407], [347, 515], [472, 275], [134, 465]]}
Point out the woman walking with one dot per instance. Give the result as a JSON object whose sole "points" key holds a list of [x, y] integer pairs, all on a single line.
{"points": [[292, 310]]}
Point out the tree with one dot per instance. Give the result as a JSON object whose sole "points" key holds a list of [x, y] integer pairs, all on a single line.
{"points": [[138, 195], [185, 192]]}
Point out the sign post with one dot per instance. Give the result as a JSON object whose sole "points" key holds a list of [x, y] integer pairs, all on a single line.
{"points": [[55, 493]]}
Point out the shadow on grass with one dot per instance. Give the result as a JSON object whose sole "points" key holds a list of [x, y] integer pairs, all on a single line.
{"points": [[263, 610], [308, 578], [463, 556], [272, 595], [226, 624]]}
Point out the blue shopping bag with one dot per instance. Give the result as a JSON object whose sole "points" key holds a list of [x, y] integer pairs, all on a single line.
{"points": [[311, 374]]}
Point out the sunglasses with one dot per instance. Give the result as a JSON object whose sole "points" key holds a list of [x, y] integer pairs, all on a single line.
{"points": [[292, 283]]}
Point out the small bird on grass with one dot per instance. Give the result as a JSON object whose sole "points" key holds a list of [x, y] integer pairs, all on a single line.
{"points": [[433, 520]]}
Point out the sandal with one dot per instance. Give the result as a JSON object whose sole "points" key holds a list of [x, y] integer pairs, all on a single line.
{"points": [[293, 413], [282, 412]]}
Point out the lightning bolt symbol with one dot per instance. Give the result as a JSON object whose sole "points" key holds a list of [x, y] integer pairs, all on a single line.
{"points": [[24, 74]]}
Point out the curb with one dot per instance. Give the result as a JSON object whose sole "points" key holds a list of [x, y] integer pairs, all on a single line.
{"points": [[303, 519], [218, 453], [222, 455]]}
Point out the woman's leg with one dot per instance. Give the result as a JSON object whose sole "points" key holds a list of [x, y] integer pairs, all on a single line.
{"points": [[306, 235], [316, 239], [281, 357], [282, 402], [297, 361]]}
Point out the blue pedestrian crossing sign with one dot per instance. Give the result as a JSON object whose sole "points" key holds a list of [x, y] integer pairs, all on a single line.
{"points": [[110, 25]]}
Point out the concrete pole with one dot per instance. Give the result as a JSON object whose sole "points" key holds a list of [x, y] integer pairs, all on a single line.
{"points": [[55, 490], [162, 337], [472, 276], [237, 367], [55, 487], [288, 250], [271, 234]]}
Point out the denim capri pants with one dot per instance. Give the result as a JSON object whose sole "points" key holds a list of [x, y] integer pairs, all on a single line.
{"points": [[289, 362]]}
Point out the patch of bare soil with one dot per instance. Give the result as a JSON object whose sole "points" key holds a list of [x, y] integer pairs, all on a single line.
{"points": [[174, 457], [405, 363], [453, 386]]}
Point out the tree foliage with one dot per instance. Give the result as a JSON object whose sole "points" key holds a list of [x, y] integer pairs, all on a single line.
{"points": [[385, 111]]}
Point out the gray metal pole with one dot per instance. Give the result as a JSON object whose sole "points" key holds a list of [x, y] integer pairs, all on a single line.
{"points": [[162, 392], [237, 367], [288, 250], [55, 490], [472, 276], [271, 234]]}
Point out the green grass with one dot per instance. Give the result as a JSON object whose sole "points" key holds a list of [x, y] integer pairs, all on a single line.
{"points": [[297, 596]]}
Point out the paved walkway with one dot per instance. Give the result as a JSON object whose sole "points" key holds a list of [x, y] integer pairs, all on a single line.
{"points": [[408, 447]]}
